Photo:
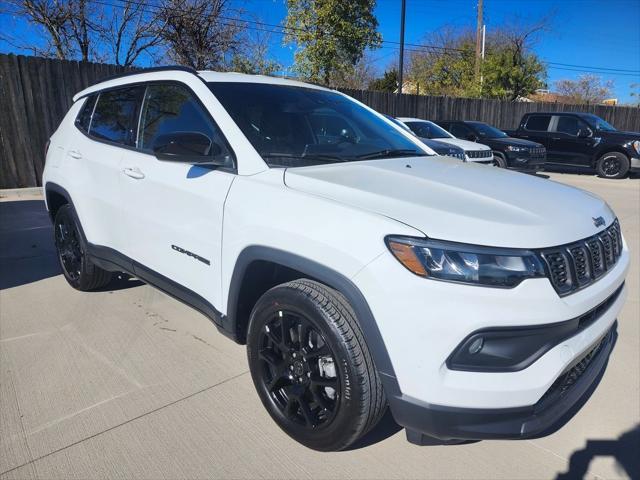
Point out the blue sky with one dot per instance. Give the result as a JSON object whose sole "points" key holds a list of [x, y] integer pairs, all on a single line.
{"points": [[588, 33]]}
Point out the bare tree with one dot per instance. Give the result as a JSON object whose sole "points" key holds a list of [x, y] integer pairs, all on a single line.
{"points": [[131, 32], [53, 17], [198, 33], [586, 89], [69, 25]]}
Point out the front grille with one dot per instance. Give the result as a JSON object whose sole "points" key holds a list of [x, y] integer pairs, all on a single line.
{"points": [[537, 153], [577, 265], [479, 153]]}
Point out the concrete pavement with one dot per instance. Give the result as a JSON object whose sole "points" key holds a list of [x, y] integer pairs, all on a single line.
{"points": [[129, 383]]}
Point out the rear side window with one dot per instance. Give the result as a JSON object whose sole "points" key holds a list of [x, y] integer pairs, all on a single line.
{"points": [[84, 117], [115, 116], [460, 130], [568, 125], [171, 108], [538, 123]]}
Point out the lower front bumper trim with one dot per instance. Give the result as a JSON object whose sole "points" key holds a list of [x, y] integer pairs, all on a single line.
{"points": [[448, 424]]}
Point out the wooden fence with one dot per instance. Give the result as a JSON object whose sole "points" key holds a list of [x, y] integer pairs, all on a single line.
{"points": [[35, 94]]}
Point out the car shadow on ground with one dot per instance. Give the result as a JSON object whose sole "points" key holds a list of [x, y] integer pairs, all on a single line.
{"points": [[625, 450], [27, 249]]}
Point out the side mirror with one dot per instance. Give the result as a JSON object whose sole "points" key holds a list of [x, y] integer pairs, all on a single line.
{"points": [[472, 137], [187, 147], [585, 133]]}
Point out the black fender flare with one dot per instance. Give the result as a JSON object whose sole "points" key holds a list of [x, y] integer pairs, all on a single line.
{"points": [[325, 275]]}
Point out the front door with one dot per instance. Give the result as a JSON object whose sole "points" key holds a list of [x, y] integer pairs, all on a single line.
{"points": [[567, 147], [174, 210]]}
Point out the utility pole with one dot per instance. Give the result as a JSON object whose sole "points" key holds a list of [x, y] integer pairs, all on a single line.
{"points": [[401, 60], [479, 35]]}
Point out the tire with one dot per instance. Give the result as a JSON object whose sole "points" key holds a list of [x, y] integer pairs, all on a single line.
{"points": [[613, 165], [499, 160], [330, 371], [76, 266]]}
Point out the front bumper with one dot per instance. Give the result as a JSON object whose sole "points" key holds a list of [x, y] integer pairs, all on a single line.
{"points": [[525, 162], [559, 403], [423, 321], [635, 164]]}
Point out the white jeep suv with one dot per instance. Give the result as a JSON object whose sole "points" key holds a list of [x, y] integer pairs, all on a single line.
{"points": [[473, 302], [474, 152]]}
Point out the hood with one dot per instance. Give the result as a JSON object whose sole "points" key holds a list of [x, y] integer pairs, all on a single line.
{"points": [[439, 147], [617, 135], [451, 200], [515, 141], [466, 145]]}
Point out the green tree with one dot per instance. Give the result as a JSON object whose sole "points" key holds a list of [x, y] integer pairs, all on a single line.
{"points": [[387, 83], [445, 64], [331, 36]]}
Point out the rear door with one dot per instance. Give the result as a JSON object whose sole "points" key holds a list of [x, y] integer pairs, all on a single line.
{"points": [[109, 125], [566, 146], [174, 210], [536, 129]]}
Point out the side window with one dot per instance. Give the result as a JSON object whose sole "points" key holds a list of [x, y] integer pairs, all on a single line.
{"points": [[568, 125], [115, 116], [538, 123], [170, 110], [84, 117], [460, 130]]}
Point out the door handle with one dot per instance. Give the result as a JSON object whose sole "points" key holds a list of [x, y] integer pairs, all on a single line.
{"points": [[75, 154], [556, 138], [134, 172]]}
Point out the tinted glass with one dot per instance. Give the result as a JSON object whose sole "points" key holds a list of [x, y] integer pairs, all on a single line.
{"points": [[598, 123], [568, 125], [115, 116], [296, 126], [487, 131], [428, 130], [538, 123], [460, 130], [173, 109], [84, 118]]}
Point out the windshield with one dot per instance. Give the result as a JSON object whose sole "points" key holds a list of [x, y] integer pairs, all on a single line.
{"points": [[295, 126], [598, 123], [428, 130], [486, 131]]}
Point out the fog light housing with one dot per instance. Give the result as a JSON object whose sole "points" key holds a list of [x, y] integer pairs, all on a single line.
{"points": [[507, 349]]}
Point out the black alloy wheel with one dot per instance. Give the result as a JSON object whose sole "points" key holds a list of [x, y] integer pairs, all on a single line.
{"points": [[299, 370], [613, 165], [76, 265], [311, 365]]}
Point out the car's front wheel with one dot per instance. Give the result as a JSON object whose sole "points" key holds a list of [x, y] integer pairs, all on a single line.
{"points": [[77, 267], [613, 165], [499, 160], [311, 366]]}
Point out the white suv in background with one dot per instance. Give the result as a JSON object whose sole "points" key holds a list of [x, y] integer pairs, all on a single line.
{"points": [[475, 152], [469, 300]]}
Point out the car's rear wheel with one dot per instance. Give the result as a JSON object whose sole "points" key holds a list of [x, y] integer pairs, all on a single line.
{"points": [[613, 165], [311, 366], [499, 160], [77, 268]]}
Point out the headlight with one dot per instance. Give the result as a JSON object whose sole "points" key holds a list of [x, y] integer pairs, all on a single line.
{"points": [[471, 264], [636, 145], [513, 148]]}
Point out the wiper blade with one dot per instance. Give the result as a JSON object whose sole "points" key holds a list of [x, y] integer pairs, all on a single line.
{"points": [[319, 157], [389, 153]]}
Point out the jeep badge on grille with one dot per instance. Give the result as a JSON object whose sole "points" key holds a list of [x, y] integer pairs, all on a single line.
{"points": [[598, 221]]}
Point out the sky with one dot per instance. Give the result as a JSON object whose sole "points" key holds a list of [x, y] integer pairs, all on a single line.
{"points": [[588, 36]]}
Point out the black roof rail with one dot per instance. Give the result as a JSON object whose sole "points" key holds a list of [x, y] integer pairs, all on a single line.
{"points": [[167, 68]]}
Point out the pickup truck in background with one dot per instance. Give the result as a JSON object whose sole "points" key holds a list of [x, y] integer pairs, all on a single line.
{"points": [[582, 141]]}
